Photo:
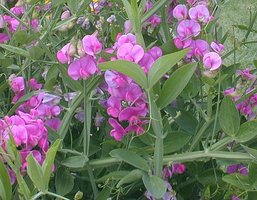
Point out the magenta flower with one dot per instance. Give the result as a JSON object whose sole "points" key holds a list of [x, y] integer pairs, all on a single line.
{"points": [[34, 84], [212, 61], [155, 52], [127, 26], [199, 48], [114, 106], [246, 74], [180, 12], [82, 68], [188, 28], [118, 131], [182, 43], [199, 13], [63, 55], [130, 52], [132, 114], [123, 39], [237, 168], [154, 20], [17, 84], [18, 10], [146, 62], [91, 45], [178, 168], [217, 47], [3, 38], [2, 23]]}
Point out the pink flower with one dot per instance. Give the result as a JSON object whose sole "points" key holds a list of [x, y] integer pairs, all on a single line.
{"points": [[118, 131], [17, 84], [212, 61], [199, 13], [130, 52], [91, 45], [114, 106], [65, 15], [199, 48], [17, 10], [34, 23], [246, 74], [182, 43], [127, 26], [2, 23], [82, 68], [155, 52], [154, 20], [3, 38], [180, 12], [178, 168], [217, 47], [188, 28], [34, 84], [129, 38], [146, 62], [63, 54], [132, 114]]}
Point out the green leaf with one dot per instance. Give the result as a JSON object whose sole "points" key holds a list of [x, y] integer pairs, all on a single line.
{"points": [[131, 158], [253, 173], [229, 117], [247, 131], [35, 173], [130, 69], [131, 177], [251, 152], [75, 161], [238, 181], [251, 195], [154, 185], [175, 141], [51, 77], [176, 84], [64, 181], [35, 52], [104, 194], [116, 175], [162, 65], [49, 161], [5, 183], [15, 50]]}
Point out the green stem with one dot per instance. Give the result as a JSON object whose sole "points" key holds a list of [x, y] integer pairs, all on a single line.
{"points": [[36, 196], [183, 157], [221, 144], [57, 196], [92, 180]]}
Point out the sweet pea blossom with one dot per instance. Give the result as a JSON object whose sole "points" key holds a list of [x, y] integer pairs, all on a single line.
{"points": [[63, 55], [246, 74], [3, 38], [217, 47], [91, 45], [212, 61], [180, 12], [199, 13], [188, 28], [130, 52], [118, 131], [82, 68]]}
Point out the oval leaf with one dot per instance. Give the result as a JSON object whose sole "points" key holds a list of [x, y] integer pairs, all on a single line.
{"points": [[130, 158], [131, 177], [247, 131], [64, 181], [75, 162], [229, 117], [162, 65], [130, 69], [154, 185], [176, 84]]}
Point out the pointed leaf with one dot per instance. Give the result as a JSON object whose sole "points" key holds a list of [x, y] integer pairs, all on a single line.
{"points": [[15, 50], [251, 152], [131, 158], [131, 177], [49, 161], [162, 65], [229, 117], [176, 84], [154, 185], [5, 183], [130, 69], [35, 173]]}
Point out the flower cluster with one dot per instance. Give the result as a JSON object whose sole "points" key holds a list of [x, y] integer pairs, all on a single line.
{"points": [[155, 19], [29, 134], [85, 64], [245, 86], [190, 23], [127, 102], [42, 106]]}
